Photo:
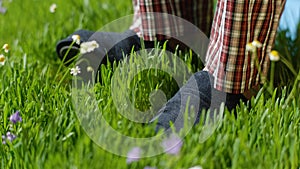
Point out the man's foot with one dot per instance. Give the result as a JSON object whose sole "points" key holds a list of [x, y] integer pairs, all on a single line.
{"points": [[115, 45], [64, 45], [198, 94]]}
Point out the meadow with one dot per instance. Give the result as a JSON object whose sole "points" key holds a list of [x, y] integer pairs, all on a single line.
{"points": [[36, 84]]}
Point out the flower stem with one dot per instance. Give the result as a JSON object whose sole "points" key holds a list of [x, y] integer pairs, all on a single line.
{"points": [[63, 60], [257, 65], [293, 92], [272, 76]]}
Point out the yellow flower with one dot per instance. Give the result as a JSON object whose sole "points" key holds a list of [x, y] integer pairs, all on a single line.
{"points": [[274, 56], [6, 48], [2, 59], [76, 39], [53, 8], [257, 44]]}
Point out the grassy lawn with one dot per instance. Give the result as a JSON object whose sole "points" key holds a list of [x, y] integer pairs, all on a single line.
{"points": [[50, 134]]}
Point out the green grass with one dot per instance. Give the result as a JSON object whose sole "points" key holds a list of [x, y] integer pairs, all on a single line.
{"points": [[50, 135]]}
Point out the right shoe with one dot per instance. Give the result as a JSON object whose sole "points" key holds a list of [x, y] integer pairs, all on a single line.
{"points": [[201, 95]]}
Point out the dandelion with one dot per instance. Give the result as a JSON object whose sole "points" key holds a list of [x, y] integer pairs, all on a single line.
{"points": [[76, 39], [75, 71], [172, 145], [257, 44], [274, 56], [133, 155], [6, 48], [53, 8], [2, 59], [87, 47], [14, 118]]}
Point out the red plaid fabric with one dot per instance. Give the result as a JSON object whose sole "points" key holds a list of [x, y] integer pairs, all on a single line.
{"points": [[153, 27], [236, 23]]}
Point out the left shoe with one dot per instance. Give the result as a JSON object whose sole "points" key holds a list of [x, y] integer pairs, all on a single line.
{"points": [[65, 44]]}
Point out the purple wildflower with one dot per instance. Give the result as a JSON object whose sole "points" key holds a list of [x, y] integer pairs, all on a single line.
{"points": [[133, 155], [2, 9], [10, 136], [3, 139], [14, 118], [147, 167], [172, 145]]}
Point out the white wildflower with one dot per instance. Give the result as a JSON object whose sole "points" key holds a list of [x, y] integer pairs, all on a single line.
{"points": [[76, 39], [87, 47], [2, 59], [196, 167], [6, 48], [274, 56], [53, 8], [75, 71], [257, 44], [250, 47]]}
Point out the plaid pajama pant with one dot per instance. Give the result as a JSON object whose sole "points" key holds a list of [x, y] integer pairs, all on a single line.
{"points": [[235, 23], [147, 25]]}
